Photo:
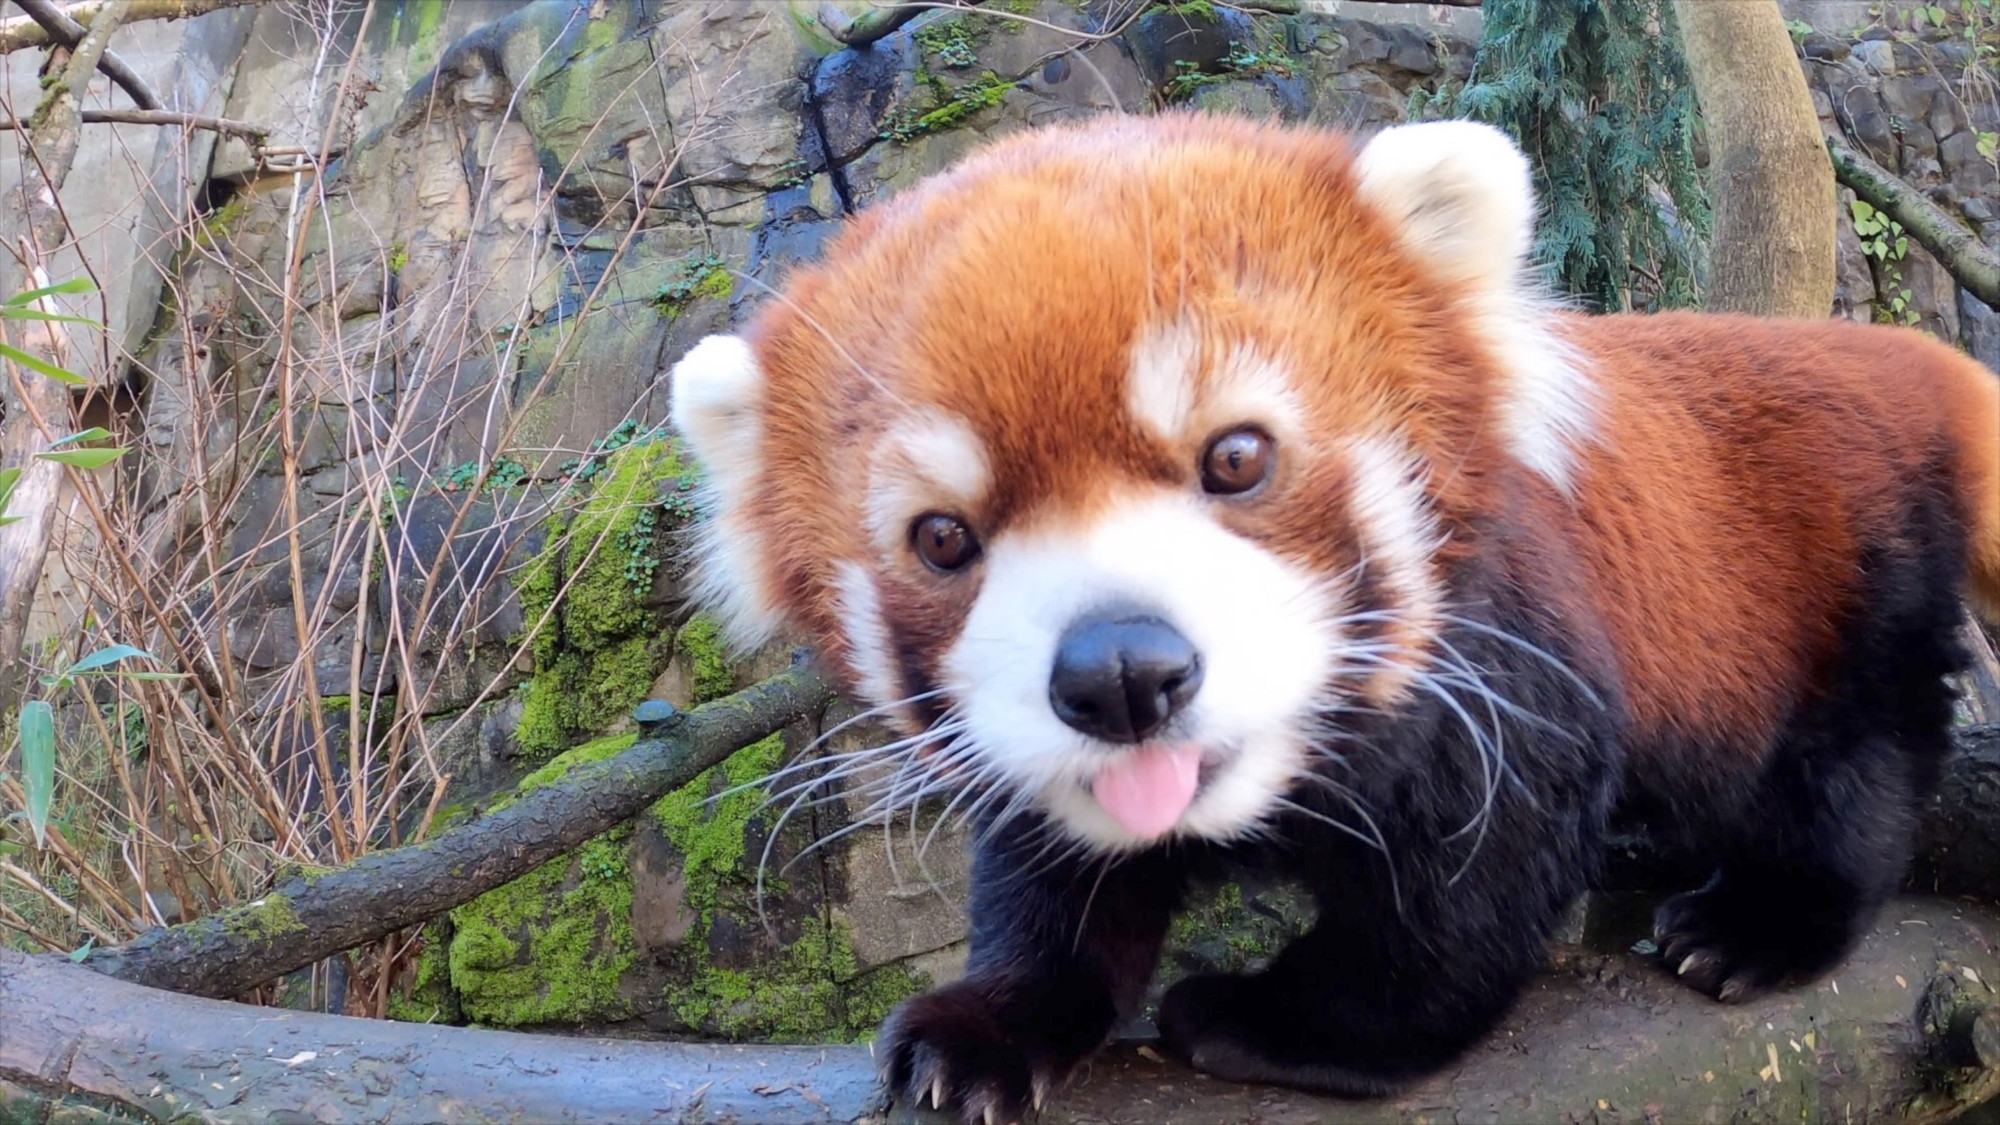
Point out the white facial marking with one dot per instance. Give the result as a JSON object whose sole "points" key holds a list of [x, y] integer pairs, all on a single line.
{"points": [[1262, 625], [1159, 390], [717, 389], [1253, 387], [930, 461], [1463, 196], [867, 634], [1399, 539]]}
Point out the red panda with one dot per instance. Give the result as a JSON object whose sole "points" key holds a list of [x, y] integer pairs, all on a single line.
{"points": [[1203, 495]]}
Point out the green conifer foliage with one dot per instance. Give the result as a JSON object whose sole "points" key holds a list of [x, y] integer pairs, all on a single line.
{"points": [[1598, 95]]}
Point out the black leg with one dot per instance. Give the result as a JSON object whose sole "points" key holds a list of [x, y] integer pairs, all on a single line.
{"points": [[1823, 847], [1061, 950], [1825, 836]]}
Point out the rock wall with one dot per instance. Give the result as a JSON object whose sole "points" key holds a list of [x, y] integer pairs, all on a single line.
{"points": [[426, 406]]}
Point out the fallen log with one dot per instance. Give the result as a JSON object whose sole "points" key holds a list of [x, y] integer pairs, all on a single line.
{"points": [[1905, 1030], [309, 916]]}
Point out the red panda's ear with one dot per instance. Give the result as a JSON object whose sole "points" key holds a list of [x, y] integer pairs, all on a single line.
{"points": [[718, 390], [1460, 193]]}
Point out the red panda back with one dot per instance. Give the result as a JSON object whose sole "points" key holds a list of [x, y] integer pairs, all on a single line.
{"points": [[1729, 501]]}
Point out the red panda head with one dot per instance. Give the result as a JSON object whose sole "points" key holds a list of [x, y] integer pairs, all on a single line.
{"points": [[1121, 457]]}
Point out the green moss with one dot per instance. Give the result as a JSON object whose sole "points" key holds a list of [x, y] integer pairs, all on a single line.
{"points": [[949, 108], [602, 646], [692, 278], [551, 946], [223, 221], [1221, 931], [428, 996], [709, 834], [810, 993], [266, 918], [700, 644], [596, 750]]}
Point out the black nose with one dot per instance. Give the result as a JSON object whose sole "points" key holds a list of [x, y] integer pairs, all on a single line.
{"points": [[1120, 678]]}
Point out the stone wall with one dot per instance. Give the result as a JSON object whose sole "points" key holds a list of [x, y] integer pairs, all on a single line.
{"points": [[461, 350]]}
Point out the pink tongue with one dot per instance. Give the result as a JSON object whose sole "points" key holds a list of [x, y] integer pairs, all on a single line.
{"points": [[1148, 789]]}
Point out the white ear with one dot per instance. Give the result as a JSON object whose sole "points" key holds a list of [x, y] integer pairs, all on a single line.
{"points": [[1460, 191], [717, 388]]}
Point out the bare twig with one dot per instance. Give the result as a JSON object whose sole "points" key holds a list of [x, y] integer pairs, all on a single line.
{"points": [[66, 32], [249, 131]]}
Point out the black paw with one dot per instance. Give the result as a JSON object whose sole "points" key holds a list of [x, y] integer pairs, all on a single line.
{"points": [[951, 1050], [1734, 947], [1220, 1024]]}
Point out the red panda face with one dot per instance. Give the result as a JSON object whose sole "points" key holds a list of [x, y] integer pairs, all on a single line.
{"points": [[1118, 461]]}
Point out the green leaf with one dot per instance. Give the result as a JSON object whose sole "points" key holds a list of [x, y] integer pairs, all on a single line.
{"points": [[85, 458], [38, 764], [82, 951], [12, 312], [32, 363], [94, 433], [74, 285], [5, 520], [104, 657], [8, 479]]}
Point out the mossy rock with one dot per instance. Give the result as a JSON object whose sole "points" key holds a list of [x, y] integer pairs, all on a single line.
{"points": [[559, 944], [599, 642]]}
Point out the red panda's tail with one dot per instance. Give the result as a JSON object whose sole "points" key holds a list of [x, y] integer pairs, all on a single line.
{"points": [[1976, 417]]}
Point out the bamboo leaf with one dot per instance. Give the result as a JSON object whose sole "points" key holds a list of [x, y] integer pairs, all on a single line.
{"points": [[94, 433], [85, 458], [15, 312], [32, 363], [38, 765], [104, 657], [73, 285]]}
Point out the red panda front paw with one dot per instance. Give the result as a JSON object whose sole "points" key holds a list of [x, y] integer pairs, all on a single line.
{"points": [[948, 1049], [1738, 946]]}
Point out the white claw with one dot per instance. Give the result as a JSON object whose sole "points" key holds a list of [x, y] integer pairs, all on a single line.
{"points": [[1040, 1088], [937, 1091], [989, 1116], [1685, 962]]}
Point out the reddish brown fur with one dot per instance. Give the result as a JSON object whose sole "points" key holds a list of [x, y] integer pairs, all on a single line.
{"points": [[1740, 469]]}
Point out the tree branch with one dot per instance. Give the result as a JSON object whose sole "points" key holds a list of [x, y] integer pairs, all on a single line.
{"points": [[876, 23], [1904, 1030], [248, 130], [22, 33], [309, 917], [68, 33], [1957, 249]]}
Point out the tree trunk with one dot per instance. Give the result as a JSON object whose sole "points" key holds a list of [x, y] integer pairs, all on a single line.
{"points": [[34, 409], [1904, 1030], [1772, 249], [310, 916]]}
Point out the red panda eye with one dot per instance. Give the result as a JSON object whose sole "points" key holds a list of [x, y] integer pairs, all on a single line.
{"points": [[1237, 462], [943, 542]]}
